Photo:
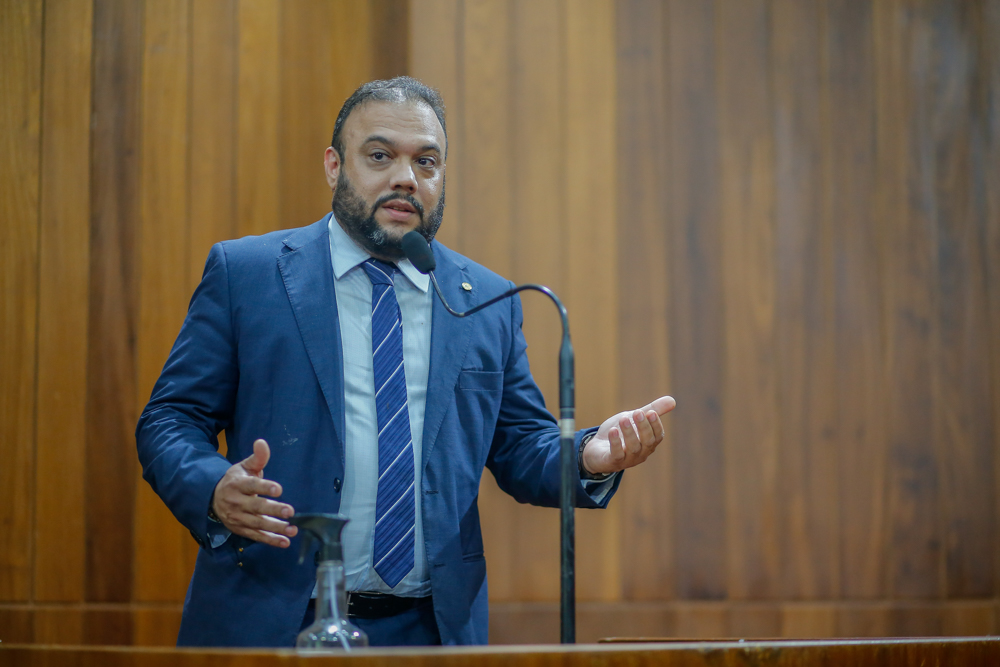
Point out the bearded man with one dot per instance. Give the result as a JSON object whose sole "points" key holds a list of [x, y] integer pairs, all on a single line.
{"points": [[343, 387]]}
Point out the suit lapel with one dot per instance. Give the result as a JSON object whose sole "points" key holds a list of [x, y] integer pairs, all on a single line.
{"points": [[307, 272], [449, 344]]}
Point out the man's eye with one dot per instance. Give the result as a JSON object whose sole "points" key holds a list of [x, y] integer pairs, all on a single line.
{"points": [[379, 155], [426, 162]]}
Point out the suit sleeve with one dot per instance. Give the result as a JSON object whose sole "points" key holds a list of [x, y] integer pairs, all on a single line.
{"points": [[524, 456], [193, 400]]}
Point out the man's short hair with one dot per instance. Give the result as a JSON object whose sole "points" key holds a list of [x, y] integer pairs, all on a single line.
{"points": [[398, 89]]}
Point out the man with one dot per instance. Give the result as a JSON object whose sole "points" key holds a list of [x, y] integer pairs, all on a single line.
{"points": [[323, 355]]}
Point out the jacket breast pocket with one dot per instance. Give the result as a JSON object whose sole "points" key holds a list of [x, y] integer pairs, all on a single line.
{"points": [[480, 380]]}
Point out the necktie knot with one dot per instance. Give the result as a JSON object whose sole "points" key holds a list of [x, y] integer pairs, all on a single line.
{"points": [[379, 272]]}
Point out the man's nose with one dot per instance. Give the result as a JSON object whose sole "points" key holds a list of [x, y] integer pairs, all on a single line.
{"points": [[403, 178]]}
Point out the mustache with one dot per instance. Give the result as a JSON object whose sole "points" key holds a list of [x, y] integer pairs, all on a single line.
{"points": [[385, 199]]}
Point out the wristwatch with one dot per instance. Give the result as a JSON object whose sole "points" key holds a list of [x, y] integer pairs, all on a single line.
{"points": [[584, 473]]}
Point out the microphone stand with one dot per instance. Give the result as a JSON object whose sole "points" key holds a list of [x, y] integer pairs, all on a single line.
{"points": [[569, 468]]}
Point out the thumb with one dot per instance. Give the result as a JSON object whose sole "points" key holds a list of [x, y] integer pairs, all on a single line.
{"points": [[662, 405], [254, 464]]}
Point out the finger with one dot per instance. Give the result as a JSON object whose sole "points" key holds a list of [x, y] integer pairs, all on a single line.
{"points": [[662, 405], [266, 507], [253, 486], [632, 445], [657, 424], [251, 521], [616, 444], [644, 429], [264, 537], [254, 464]]}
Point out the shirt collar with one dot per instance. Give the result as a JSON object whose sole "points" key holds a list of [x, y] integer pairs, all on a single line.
{"points": [[347, 254]]}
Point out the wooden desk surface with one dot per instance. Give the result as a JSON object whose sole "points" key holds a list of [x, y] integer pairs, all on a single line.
{"points": [[892, 652]]}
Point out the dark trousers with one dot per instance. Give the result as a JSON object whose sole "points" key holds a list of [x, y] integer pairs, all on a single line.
{"points": [[415, 627]]}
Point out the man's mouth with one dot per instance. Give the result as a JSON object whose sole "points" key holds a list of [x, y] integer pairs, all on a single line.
{"points": [[399, 210]]}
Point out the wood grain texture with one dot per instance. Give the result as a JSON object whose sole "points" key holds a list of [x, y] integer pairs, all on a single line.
{"points": [[857, 249], [805, 333], [164, 255], [307, 108], [258, 151], [988, 105], [113, 305], [964, 435], [591, 269], [905, 207], [643, 189], [212, 148], [20, 127], [972, 650], [750, 413], [697, 334], [63, 297]]}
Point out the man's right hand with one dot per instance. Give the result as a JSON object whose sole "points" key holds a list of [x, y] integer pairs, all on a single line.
{"points": [[239, 503]]}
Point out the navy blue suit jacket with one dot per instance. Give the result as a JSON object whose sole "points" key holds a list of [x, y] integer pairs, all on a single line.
{"points": [[259, 356]]}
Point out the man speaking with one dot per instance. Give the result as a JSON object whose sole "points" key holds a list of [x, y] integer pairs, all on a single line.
{"points": [[343, 387]]}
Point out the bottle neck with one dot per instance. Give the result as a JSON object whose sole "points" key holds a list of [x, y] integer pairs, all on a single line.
{"points": [[331, 595]]}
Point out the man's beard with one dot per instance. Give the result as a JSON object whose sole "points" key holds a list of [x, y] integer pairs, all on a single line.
{"points": [[359, 222]]}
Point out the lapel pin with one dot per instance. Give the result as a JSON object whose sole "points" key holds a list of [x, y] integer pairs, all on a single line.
{"points": [[467, 287]]}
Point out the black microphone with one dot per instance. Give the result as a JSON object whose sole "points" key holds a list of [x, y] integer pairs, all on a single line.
{"points": [[419, 252]]}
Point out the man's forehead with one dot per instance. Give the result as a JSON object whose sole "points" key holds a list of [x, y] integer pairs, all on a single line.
{"points": [[403, 119]]}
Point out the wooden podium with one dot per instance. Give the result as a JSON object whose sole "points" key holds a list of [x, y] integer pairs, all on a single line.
{"points": [[953, 652]]}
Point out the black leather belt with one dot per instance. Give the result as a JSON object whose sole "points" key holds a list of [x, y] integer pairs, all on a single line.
{"points": [[362, 604]]}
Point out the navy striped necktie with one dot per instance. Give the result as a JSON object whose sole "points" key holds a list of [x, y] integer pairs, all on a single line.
{"points": [[394, 504]]}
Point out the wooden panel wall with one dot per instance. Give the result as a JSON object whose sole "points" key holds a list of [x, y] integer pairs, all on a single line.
{"points": [[802, 250], [786, 214], [135, 135]]}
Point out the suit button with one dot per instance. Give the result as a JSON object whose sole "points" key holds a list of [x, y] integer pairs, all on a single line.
{"points": [[336, 484]]}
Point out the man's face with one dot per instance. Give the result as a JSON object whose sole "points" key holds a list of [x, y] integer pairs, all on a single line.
{"points": [[390, 179]]}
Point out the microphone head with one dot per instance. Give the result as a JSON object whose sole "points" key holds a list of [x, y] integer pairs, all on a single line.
{"points": [[417, 250]]}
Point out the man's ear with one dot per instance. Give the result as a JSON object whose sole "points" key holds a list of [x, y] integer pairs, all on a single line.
{"points": [[331, 164]]}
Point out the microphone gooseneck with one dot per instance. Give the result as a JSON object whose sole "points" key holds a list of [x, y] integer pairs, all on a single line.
{"points": [[419, 252]]}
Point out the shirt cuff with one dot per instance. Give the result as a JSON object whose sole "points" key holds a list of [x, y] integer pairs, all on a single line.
{"points": [[217, 533], [599, 489]]}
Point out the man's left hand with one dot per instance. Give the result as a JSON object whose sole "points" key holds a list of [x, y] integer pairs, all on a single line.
{"points": [[627, 438]]}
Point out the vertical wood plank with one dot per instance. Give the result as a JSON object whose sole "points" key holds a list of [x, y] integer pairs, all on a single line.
{"points": [[748, 252], [164, 254], [112, 318], [437, 58], [988, 107], [808, 462], [485, 235], [20, 127], [537, 201], [591, 268], [963, 437], [390, 57], [305, 99], [697, 343], [212, 184], [644, 189], [849, 165], [64, 257], [904, 207], [258, 154]]}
